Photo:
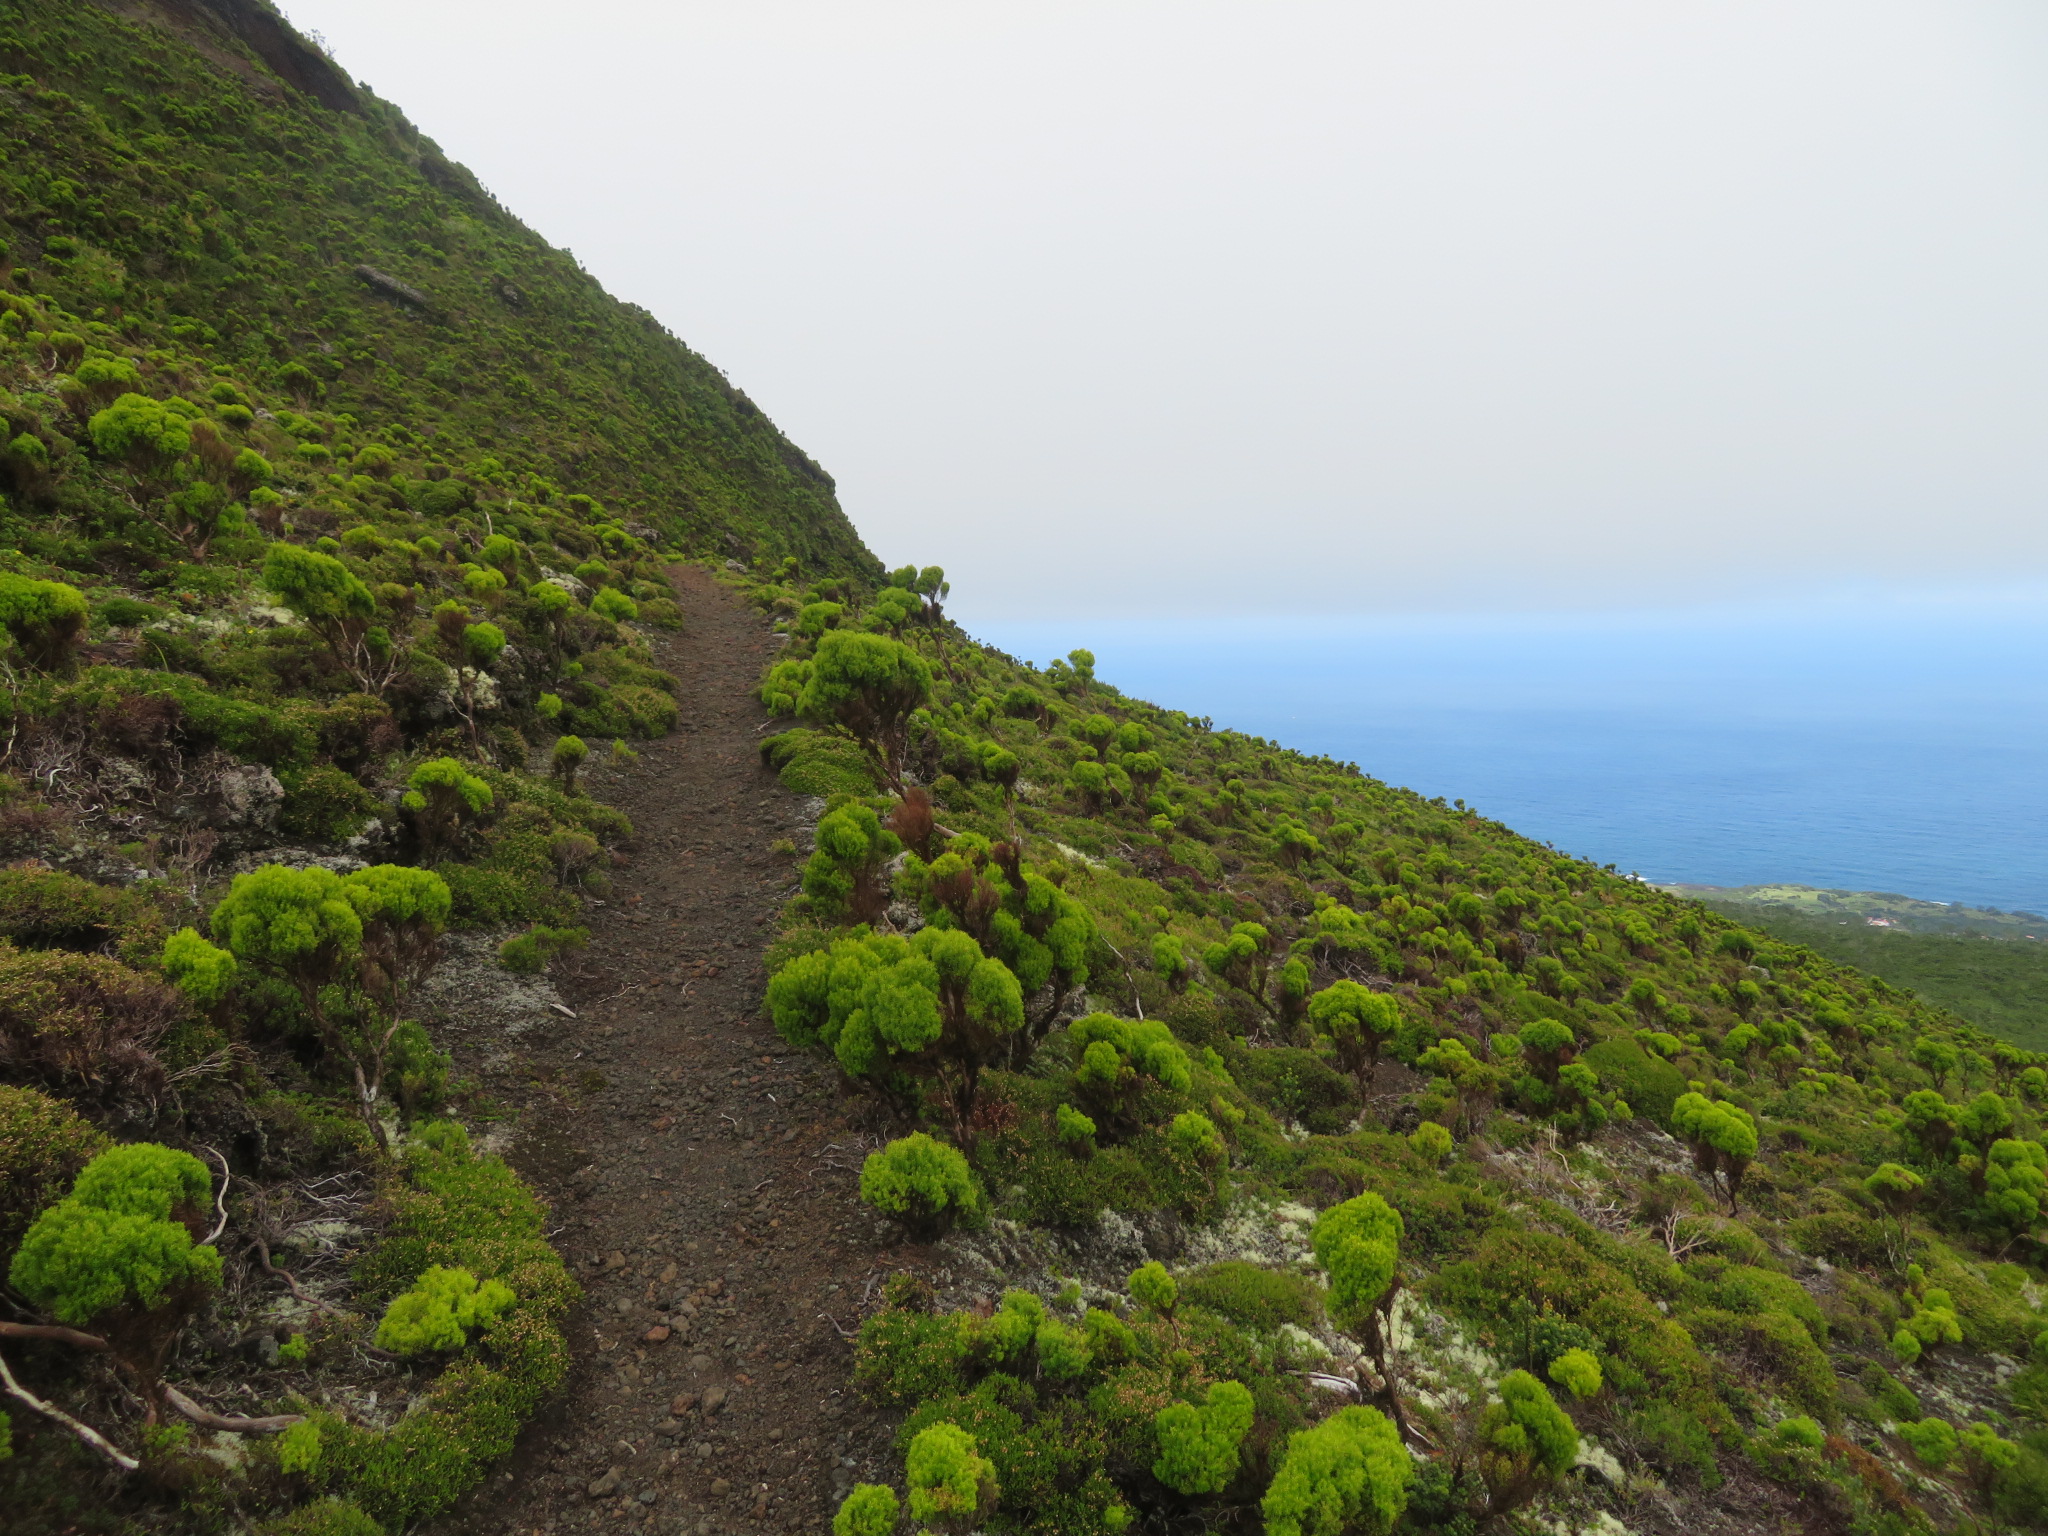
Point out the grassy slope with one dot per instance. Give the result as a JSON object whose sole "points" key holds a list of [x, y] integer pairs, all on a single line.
{"points": [[1477, 932], [220, 208], [204, 221], [184, 225], [2000, 984]]}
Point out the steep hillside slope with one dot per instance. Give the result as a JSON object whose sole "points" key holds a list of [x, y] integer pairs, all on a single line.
{"points": [[1245, 1143], [190, 174]]}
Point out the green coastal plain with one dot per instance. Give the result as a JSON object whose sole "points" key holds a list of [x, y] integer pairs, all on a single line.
{"points": [[1242, 1143]]}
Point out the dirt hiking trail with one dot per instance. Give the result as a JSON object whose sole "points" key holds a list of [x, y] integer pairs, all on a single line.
{"points": [[702, 1175]]}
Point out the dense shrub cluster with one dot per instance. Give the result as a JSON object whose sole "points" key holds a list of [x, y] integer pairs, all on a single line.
{"points": [[1477, 1058]]}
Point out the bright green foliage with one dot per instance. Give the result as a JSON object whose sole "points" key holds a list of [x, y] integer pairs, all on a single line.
{"points": [[1528, 1440], [1194, 1137], [1432, 1141], [295, 923], [1198, 1444], [813, 619], [122, 1240], [892, 1011], [1578, 1372], [843, 876], [1989, 1451], [46, 619], [1151, 1286], [1113, 1058], [1931, 1121], [1984, 1120], [318, 588], [871, 1509], [529, 953], [566, 758], [1017, 915], [1350, 1473], [1170, 960], [867, 686], [1073, 1127], [1801, 1432], [202, 971], [922, 1183], [1933, 1321], [2016, 1183], [1472, 1082], [149, 434], [1240, 960], [1894, 1186], [1359, 1243], [298, 1448], [1354, 1023], [951, 1485], [611, 603], [442, 794], [1933, 1442], [435, 1316], [1722, 1138]]}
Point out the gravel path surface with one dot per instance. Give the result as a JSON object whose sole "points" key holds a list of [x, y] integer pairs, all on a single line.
{"points": [[702, 1175]]}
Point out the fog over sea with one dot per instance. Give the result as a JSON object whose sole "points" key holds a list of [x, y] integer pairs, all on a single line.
{"points": [[1857, 741]]}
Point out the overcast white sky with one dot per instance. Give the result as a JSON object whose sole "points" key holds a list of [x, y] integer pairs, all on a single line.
{"points": [[1179, 306]]}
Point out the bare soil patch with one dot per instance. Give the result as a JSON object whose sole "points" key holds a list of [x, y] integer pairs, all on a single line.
{"points": [[702, 1174]]}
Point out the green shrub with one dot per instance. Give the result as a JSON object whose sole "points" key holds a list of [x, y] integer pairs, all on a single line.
{"points": [[43, 908], [530, 953], [435, 1316], [1349, 1473], [1073, 1128], [1152, 1287], [1432, 1141], [1252, 1295], [44, 1144], [843, 876], [951, 1485], [323, 1517], [45, 619], [870, 1510], [453, 1208], [1198, 1444], [1578, 1372], [122, 1241], [1933, 1442], [1358, 1242], [816, 763], [922, 1183], [1528, 1441], [1893, 1397], [566, 758], [866, 686], [324, 805], [442, 795], [1650, 1085]]}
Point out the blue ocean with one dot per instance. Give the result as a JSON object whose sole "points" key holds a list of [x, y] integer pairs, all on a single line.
{"points": [[1858, 742]]}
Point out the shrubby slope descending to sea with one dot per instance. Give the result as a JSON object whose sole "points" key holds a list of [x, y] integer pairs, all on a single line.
{"points": [[1257, 1145]]}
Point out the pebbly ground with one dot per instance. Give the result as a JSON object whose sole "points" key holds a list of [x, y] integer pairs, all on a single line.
{"points": [[702, 1176]]}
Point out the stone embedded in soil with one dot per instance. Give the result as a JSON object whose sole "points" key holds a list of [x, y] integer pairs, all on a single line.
{"points": [[714, 1399], [604, 1487], [658, 1334]]}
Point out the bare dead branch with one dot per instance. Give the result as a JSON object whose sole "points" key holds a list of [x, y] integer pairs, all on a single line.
{"points": [[206, 1418], [85, 1432], [54, 1333]]}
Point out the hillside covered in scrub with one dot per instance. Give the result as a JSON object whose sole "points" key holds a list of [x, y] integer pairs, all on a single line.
{"points": [[1256, 1146]]}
